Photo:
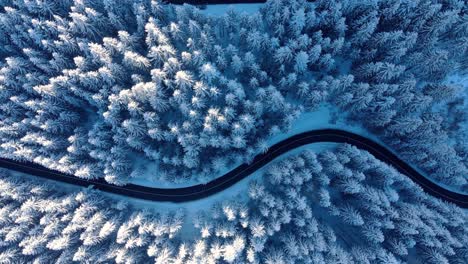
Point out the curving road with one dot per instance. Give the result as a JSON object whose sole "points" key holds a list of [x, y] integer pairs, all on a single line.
{"points": [[219, 184]]}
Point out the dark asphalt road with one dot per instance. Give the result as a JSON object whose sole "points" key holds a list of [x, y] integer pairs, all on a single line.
{"points": [[221, 183]]}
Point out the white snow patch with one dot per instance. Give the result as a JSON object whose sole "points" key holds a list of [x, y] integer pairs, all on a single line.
{"points": [[148, 175], [463, 81], [220, 10], [326, 116]]}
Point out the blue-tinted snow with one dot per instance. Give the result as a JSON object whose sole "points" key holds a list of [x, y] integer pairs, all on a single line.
{"points": [[219, 10]]}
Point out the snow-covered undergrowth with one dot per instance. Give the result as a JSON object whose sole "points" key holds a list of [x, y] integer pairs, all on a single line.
{"points": [[98, 88], [338, 206], [222, 9]]}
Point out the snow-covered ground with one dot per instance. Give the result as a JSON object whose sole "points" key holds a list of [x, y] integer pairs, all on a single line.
{"points": [[322, 118], [219, 10], [461, 79], [148, 175]]}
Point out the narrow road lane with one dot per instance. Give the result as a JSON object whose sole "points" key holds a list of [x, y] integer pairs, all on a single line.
{"points": [[225, 181]]}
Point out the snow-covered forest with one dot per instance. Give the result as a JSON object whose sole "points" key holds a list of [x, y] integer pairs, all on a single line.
{"points": [[340, 206], [97, 89], [89, 87]]}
